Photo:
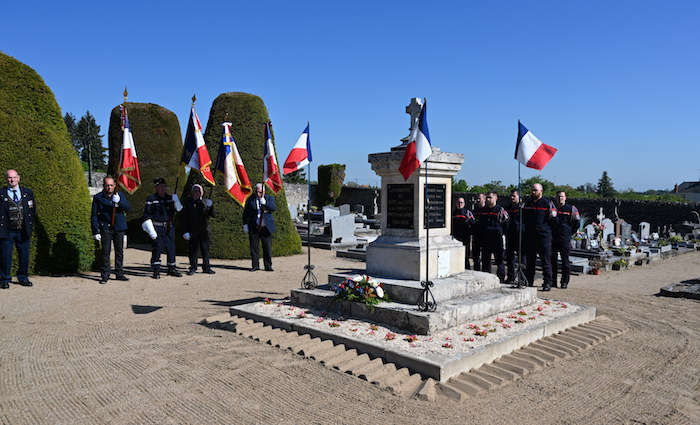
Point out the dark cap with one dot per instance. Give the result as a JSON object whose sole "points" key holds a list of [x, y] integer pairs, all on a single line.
{"points": [[159, 180]]}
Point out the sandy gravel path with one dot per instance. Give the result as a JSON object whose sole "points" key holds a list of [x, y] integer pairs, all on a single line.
{"points": [[76, 352]]}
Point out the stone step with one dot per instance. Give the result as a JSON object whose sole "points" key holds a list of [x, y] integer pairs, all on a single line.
{"points": [[370, 371], [341, 358], [477, 380], [316, 346], [380, 376], [407, 387], [335, 351], [359, 361], [388, 380]]}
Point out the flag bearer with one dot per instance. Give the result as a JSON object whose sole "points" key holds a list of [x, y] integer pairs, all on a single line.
{"points": [[158, 215]]}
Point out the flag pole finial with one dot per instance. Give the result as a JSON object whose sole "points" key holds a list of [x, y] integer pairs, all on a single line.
{"points": [[126, 94], [194, 99]]}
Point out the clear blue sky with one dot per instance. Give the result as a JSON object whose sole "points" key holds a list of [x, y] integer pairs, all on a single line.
{"points": [[614, 85]]}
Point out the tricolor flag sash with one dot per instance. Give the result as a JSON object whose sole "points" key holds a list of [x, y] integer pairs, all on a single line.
{"points": [[194, 152], [229, 163], [128, 171]]}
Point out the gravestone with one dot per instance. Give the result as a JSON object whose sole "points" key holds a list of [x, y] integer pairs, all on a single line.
{"points": [[625, 232], [293, 212], [343, 230], [358, 208], [609, 228], [644, 228], [329, 213], [590, 231], [618, 227], [344, 209]]}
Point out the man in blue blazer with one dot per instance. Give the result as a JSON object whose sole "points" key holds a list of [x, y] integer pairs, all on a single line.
{"points": [[259, 224], [17, 210], [108, 224]]}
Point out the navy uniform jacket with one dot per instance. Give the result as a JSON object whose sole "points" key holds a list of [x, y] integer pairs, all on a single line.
{"points": [[492, 221], [28, 213], [536, 218], [102, 208], [250, 213], [566, 223], [195, 218], [160, 210], [462, 222], [514, 222]]}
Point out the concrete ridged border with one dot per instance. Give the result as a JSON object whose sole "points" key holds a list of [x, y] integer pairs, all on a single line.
{"points": [[439, 367]]}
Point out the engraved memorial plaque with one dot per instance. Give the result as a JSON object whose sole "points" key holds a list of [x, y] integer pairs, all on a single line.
{"points": [[436, 211], [399, 199]]}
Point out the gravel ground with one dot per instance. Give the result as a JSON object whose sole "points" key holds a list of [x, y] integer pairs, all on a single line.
{"points": [[76, 352]]}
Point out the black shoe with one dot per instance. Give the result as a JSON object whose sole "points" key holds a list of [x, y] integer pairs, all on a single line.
{"points": [[546, 288], [209, 271], [4, 285], [26, 282], [190, 272], [174, 272], [121, 277], [254, 269], [103, 280], [156, 274], [564, 285], [269, 269]]}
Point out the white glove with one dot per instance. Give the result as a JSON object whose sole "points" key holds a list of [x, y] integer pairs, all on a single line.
{"points": [[208, 203], [186, 236], [98, 237], [116, 198], [148, 227], [263, 201], [178, 204], [245, 228]]}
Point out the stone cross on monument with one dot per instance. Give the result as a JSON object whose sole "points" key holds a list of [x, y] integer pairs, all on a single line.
{"points": [[413, 109], [600, 215]]}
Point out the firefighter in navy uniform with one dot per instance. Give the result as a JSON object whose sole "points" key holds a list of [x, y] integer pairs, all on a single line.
{"points": [[563, 227], [492, 221], [538, 212], [513, 237], [462, 222], [476, 232], [158, 215]]}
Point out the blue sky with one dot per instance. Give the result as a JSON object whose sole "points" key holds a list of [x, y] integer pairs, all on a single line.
{"points": [[614, 86]]}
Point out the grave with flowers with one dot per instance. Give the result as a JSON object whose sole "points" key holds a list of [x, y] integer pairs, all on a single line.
{"points": [[415, 259]]}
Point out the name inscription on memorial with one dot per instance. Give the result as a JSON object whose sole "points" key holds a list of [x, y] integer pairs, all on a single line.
{"points": [[436, 209], [399, 200]]}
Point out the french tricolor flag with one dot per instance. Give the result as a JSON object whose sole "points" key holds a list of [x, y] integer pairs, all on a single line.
{"points": [[530, 152], [300, 154], [194, 152], [419, 147]]}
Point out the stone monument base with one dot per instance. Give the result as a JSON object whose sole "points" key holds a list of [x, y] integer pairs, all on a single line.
{"points": [[405, 258]]}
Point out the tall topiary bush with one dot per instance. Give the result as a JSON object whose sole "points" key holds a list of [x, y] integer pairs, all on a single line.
{"points": [[248, 114], [158, 141], [330, 183], [35, 141]]}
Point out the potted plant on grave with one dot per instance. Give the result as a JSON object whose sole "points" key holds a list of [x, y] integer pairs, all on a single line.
{"points": [[620, 264], [597, 265]]}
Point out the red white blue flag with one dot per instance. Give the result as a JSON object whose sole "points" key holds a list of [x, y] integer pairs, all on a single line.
{"points": [[128, 171], [230, 164], [419, 147], [271, 171], [530, 151], [300, 155], [194, 153]]}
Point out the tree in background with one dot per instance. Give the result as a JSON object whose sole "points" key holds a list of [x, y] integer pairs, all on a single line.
{"points": [[71, 124], [298, 177], [88, 134], [330, 183], [459, 185], [605, 186], [548, 187]]}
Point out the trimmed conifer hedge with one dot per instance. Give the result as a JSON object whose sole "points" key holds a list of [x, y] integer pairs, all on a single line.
{"points": [[247, 113], [35, 142], [158, 142], [330, 183]]}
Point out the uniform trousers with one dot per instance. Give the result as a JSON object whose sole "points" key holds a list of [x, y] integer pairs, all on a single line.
{"points": [[563, 248], [476, 251], [195, 245], [15, 238], [542, 247], [512, 242], [164, 242], [109, 236], [492, 246]]}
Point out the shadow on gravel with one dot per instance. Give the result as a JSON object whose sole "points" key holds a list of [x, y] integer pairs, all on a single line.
{"points": [[144, 309], [233, 302]]}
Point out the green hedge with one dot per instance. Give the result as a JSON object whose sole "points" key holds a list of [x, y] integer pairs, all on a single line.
{"points": [[35, 142], [330, 183], [247, 113], [158, 142]]}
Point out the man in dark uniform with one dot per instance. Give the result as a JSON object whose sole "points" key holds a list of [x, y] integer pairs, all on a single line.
{"points": [[160, 210], [17, 211], [462, 222], [259, 224], [492, 221], [538, 212], [108, 224], [196, 229], [565, 225], [476, 236], [513, 237]]}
